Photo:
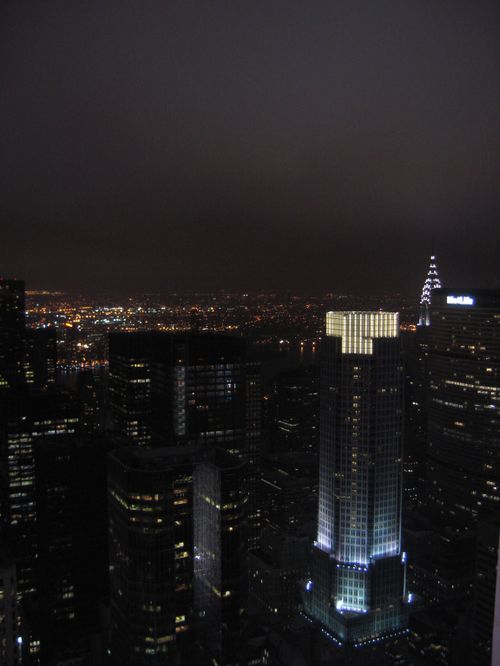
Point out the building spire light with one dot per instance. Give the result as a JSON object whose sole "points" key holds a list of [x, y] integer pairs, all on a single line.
{"points": [[432, 281]]}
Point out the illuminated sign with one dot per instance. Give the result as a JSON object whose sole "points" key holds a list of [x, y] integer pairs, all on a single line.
{"points": [[459, 300]]}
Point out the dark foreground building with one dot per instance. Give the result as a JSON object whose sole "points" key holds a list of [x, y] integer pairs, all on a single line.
{"points": [[486, 597], [357, 589], [159, 546], [27, 417], [12, 330], [189, 389], [220, 557]]}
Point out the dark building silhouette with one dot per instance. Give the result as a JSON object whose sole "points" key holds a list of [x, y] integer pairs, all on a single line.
{"points": [[357, 588], [486, 599], [61, 620], [463, 455], [293, 412], [12, 330], [276, 570], [130, 385], [220, 557], [40, 357], [25, 418], [10, 630], [153, 539], [289, 492], [91, 389], [151, 553]]}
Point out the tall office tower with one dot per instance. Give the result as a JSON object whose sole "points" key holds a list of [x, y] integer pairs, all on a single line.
{"points": [[12, 328], [220, 564], [130, 385], [63, 618], [150, 495], [151, 553], [463, 456], [189, 389], [357, 590], [40, 357], [67, 520], [414, 422], [206, 392], [432, 282], [495, 643], [486, 600], [276, 570], [90, 386], [56, 468], [10, 645], [25, 418]]}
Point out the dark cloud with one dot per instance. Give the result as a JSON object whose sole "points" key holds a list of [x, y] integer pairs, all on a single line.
{"points": [[286, 144]]}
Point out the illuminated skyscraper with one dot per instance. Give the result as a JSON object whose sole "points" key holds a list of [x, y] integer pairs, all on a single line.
{"points": [[432, 281], [357, 591], [463, 455]]}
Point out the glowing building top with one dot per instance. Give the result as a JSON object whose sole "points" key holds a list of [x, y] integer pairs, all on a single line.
{"points": [[359, 329], [432, 281]]}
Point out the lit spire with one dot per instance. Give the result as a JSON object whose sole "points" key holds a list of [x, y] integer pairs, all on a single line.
{"points": [[432, 282]]}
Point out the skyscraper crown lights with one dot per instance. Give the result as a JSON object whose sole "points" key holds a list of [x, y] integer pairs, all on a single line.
{"points": [[359, 329]]}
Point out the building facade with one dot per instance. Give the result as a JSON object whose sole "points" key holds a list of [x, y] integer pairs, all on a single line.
{"points": [[190, 389], [130, 385], [26, 417], [12, 330], [357, 589], [154, 538], [463, 453], [220, 556]]}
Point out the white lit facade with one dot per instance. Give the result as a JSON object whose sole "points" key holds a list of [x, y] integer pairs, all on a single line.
{"points": [[358, 588]]}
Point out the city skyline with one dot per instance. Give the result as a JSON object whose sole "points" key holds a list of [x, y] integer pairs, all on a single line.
{"points": [[249, 333], [315, 523]]}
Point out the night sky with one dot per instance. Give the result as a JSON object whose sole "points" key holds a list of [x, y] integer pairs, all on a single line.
{"points": [[160, 145]]}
